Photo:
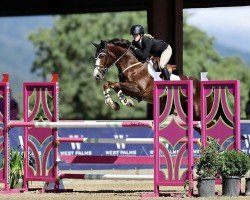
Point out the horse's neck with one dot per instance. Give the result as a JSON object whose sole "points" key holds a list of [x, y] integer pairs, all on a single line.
{"points": [[125, 58]]}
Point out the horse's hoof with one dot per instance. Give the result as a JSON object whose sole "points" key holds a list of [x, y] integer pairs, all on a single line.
{"points": [[108, 101], [116, 106], [113, 105]]}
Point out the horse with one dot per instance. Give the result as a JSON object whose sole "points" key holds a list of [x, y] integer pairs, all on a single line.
{"points": [[134, 78]]}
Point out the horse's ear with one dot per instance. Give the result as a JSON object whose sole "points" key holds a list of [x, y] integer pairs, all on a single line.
{"points": [[103, 42], [96, 45]]}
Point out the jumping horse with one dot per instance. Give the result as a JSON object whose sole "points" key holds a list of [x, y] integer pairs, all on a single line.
{"points": [[134, 78]]}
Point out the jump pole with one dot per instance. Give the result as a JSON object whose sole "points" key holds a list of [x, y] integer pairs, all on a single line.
{"points": [[81, 124], [118, 140], [107, 176]]}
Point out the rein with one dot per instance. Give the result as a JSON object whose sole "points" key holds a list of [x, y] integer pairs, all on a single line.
{"points": [[114, 63], [120, 59], [129, 67], [111, 54]]}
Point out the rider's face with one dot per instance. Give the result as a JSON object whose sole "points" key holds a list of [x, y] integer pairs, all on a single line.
{"points": [[137, 37]]}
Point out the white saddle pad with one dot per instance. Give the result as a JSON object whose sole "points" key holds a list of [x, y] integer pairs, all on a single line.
{"points": [[156, 75]]}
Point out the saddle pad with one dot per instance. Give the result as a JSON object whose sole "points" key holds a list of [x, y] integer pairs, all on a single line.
{"points": [[156, 75]]}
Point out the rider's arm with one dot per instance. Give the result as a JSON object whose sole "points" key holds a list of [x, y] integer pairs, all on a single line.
{"points": [[143, 54]]}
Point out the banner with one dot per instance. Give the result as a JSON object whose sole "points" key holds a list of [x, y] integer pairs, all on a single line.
{"points": [[116, 149]]}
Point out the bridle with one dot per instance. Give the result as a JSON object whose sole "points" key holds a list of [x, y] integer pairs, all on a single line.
{"points": [[102, 69]]}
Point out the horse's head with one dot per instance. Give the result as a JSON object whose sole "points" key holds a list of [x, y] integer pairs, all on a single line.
{"points": [[107, 54], [103, 60]]}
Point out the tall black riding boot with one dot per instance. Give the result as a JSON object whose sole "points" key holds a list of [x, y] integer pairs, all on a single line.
{"points": [[165, 74]]}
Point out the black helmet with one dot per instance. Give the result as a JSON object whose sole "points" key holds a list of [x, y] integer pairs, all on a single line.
{"points": [[137, 29]]}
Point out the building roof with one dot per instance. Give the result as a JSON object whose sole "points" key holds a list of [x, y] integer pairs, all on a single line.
{"points": [[43, 7]]}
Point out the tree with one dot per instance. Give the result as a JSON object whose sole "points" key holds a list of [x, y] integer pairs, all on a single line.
{"points": [[66, 49], [200, 56]]}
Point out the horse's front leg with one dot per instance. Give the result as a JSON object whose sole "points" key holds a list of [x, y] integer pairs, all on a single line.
{"points": [[120, 87], [108, 100]]}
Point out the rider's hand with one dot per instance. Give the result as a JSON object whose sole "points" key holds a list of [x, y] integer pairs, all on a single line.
{"points": [[132, 47]]}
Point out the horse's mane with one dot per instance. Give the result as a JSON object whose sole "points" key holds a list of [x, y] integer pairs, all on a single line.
{"points": [[120, 42]]}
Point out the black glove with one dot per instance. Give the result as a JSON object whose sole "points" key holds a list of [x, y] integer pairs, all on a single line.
{"points": [[132, 47]]}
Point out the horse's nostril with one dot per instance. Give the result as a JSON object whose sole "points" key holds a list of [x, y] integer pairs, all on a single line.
{"points": [[97, 77]]}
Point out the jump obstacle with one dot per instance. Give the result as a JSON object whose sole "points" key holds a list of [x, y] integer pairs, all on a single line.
{"points": [[169, 136], [227, 135]]}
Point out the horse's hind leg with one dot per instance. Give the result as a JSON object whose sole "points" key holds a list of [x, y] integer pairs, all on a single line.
{"points": [[124, 100], [130, 89]]}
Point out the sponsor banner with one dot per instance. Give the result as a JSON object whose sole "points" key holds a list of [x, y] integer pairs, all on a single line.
{"points": [[116, 149]]}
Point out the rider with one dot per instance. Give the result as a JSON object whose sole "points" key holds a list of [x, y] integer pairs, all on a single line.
{"points": [[145, 44]]}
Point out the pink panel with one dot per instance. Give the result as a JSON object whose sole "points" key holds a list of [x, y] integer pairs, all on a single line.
{"points": [[179, 150], [41, 139], [226, 124]]}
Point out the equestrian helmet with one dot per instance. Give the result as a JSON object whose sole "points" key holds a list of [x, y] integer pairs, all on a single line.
{"points": [[137, 29]]}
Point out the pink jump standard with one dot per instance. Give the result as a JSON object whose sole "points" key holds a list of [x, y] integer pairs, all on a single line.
{"points": [[4, 135], [221, 122], [175, 152]]}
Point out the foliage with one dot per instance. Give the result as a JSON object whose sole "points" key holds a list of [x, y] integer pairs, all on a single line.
{"points": [[199, 56], [234, 163], [16, 166], [208, 162], [66, 49]]}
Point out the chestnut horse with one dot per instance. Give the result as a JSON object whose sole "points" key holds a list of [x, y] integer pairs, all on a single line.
{"points": [[134, 79]]}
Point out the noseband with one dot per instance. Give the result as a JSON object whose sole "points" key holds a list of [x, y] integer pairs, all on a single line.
{"points": [[102, 69]]}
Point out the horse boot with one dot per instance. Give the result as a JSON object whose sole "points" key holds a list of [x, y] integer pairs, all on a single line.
{"points": [[165, 74]]}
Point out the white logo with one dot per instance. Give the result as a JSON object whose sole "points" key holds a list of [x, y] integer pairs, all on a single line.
{"points": [[247, 140], [21, 141], [75, 145], [120, 145]]}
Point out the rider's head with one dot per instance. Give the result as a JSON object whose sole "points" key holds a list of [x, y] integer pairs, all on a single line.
{"points": [[137, 31]]}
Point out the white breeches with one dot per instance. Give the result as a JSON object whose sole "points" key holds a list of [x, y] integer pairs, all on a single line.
{"points": [[165, 56]]}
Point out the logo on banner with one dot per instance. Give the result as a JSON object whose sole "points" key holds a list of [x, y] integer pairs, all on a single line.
{"points": [[76, 148], [121, 145], [75, 145], [21, 141], [247, 141]]}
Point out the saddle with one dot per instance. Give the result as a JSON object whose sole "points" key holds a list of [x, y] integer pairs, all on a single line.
{"points": [[156, 64], [153, 67]]}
